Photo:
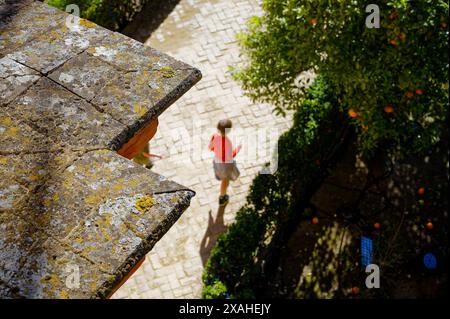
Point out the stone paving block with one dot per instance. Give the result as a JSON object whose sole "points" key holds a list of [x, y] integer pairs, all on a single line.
{"points": [[155, 262], [167, 295], [178, 292], [164, 288], [85, 75], [14, 79], [64, 117]]}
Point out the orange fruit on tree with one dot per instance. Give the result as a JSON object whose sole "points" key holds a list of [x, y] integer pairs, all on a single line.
{"points": [[377, 226], [393, 15], [409, 94], [389, 109], [313, 21], [393, 42], [355, 290], [315, 221], [419, 92], [352, 113], [429, 225], [421, 191]]}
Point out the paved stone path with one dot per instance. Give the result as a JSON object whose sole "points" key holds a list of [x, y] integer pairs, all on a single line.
{"points": [[202, 33]]}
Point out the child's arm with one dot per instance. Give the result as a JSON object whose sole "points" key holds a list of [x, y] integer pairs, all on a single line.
{"points": [[151, 155], [236, 150], [211, 143]]}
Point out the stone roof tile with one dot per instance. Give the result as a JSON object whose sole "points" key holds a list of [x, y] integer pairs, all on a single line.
{"points": [[63, 117], [14, 79], [24, 21]]}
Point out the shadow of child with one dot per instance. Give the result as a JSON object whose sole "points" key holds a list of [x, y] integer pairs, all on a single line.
{"points": [[214, 229]]}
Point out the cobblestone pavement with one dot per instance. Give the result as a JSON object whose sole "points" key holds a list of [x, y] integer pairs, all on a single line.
{"points": [[202, 33]]}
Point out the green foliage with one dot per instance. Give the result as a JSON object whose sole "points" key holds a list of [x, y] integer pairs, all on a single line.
{"points": [[233, 261], [295, 157], [369, 68], [215, 291], [111, 14]]}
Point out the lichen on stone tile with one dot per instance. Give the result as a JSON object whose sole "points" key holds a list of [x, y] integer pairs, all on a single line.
{"points": [[51, 270], [11, 193], [85, 75], [125, 233], [17, 238], [68, 120], [18, 137], [21, 25], [14, 79], [51, 49]]}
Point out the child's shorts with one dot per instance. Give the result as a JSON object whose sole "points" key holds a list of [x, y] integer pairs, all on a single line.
{"points": [[226, 170]]}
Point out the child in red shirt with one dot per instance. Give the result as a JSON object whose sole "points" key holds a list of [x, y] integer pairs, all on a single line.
{"points": [[224, 164]]}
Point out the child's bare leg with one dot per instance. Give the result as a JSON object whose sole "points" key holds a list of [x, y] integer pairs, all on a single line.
{"points": [[223, 186], [140, 158]]}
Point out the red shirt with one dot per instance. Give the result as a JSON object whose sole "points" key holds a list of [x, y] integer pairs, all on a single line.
{"points": [[222, 148]]}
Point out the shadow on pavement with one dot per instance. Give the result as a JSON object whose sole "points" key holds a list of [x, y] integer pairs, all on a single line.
{"points": [[149, 19], [215, 228]]}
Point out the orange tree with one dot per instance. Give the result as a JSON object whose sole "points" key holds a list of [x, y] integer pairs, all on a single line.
{"points": [[392, 81], [389, 85]]}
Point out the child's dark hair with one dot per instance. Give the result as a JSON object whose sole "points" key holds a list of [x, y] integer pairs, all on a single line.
{"points": [[223, 125]]}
